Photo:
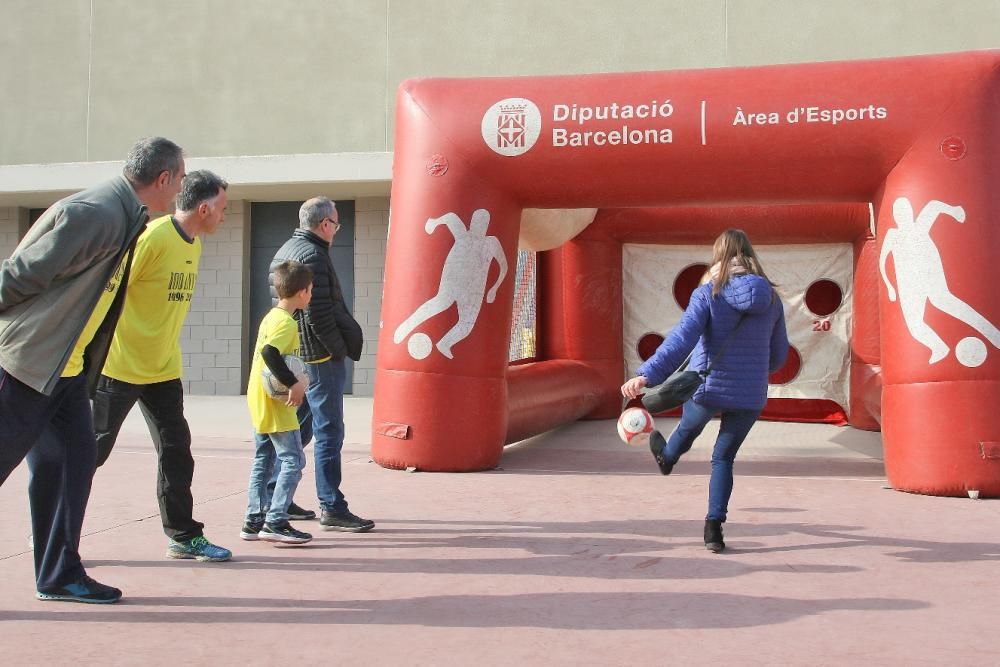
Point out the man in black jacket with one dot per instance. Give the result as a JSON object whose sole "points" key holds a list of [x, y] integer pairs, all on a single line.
{"points": [[328, 333]]}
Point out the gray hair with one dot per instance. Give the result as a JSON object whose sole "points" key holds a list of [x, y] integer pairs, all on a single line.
{"points": [[150, 157], [314, 211], [197, 187]]}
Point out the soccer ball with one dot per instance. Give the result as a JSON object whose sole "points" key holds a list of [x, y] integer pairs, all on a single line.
{"points": [[274, 388], [634, 426]]}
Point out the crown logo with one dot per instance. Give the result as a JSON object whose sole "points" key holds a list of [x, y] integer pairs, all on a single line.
{"points": [[511, 126], [513, 108]]}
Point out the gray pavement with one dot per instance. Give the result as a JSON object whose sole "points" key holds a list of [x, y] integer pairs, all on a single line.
{"points": [[576, 551]]}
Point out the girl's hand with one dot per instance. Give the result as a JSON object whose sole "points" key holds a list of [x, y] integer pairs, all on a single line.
{"points": [[633, 387]]}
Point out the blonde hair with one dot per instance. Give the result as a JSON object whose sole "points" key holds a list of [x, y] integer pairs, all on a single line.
{"points": [[733, 247]]}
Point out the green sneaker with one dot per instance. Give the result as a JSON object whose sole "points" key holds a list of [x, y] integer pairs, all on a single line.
{"points": [[198, 548]]}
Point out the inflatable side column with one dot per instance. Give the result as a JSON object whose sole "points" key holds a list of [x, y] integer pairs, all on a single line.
{"points": [[440, 383], [939, 246], [866, 369], [592, 283]]}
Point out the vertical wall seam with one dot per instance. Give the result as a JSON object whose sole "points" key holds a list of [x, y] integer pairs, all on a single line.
{"points": [[388, 106], [90, 73], [725, 33]]}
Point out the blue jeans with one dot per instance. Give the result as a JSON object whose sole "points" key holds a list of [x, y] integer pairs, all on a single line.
{"points": [[736, 424], [286, 449], [322, 415]]}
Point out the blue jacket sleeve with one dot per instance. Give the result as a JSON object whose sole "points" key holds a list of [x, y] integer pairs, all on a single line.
{"points": [[679, 343], [779, 340]]}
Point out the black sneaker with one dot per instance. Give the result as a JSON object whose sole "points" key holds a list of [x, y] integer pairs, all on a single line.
{"points": [[656, 444], [296, 513], [250, 529], [713, 536], [345, 521], [84, 589], [283, 533]]}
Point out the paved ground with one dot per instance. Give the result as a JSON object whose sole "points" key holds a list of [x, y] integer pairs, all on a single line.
{"points": [[576, 552]]}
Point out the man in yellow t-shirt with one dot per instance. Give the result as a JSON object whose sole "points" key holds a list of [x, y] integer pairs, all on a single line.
{"points": [[275, 424], [144, 362]]}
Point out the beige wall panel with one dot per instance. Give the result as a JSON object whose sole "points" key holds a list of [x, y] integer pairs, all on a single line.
{"points": [[527, 37], [43, 76], [243, 77], [785, 31], [239, 77]]}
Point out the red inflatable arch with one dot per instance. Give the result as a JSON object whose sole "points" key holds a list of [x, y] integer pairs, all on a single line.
{"points": [[792, 154]]}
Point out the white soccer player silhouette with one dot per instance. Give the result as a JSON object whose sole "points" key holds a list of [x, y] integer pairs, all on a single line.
{"points": [[920, 275], [463, 280]]}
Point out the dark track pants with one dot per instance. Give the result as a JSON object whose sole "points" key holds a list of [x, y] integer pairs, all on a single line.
{"points": [[56, 435], [162, 404]]}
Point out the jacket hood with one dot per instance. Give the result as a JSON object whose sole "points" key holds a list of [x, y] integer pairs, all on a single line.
{"points": [[750, 294]]}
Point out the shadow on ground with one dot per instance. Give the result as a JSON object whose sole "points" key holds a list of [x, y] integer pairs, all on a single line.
{"points": [[577, 611]]}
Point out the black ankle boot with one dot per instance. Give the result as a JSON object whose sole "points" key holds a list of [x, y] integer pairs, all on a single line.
{"points": [[713, 536], [656, 444]]}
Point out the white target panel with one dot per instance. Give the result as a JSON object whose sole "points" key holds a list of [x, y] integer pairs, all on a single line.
{"points": [[814, 282]]}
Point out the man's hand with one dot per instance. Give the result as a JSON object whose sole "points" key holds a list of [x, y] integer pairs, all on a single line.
{"points": [[632, 388], [297, 393]]}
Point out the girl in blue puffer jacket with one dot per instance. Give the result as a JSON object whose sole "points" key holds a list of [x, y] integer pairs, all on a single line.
{"points": [[735, 292]]}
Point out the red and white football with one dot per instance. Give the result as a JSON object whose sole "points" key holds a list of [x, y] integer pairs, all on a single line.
{"points": [[634, 426]]}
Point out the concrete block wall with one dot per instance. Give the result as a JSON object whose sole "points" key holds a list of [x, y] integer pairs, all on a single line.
{"points": [[371, 217], [213, 341], [212, 337], [8, 231]]}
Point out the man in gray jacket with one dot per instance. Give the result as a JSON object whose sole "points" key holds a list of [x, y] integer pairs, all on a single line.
{"points": [[59, 303]]}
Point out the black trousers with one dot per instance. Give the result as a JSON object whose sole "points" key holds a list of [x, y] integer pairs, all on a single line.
{"points": [[162, 404], [57, 435]]}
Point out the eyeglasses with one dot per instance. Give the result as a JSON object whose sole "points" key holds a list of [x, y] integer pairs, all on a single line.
{"points": [[336, 224]]}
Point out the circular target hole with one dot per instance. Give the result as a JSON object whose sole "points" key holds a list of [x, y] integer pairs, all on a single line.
{"points": [[824, 297], [686, 282], [647, 345], [787, 373]]}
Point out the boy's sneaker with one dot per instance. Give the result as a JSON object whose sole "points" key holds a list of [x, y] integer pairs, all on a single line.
{"points": [[283, 533], [84, 589], [345, 521], [198, 548], [296, 513], [250, 529]]}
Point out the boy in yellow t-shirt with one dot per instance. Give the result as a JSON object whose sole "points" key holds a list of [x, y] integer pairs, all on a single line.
{"points": [[275, 425]]}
